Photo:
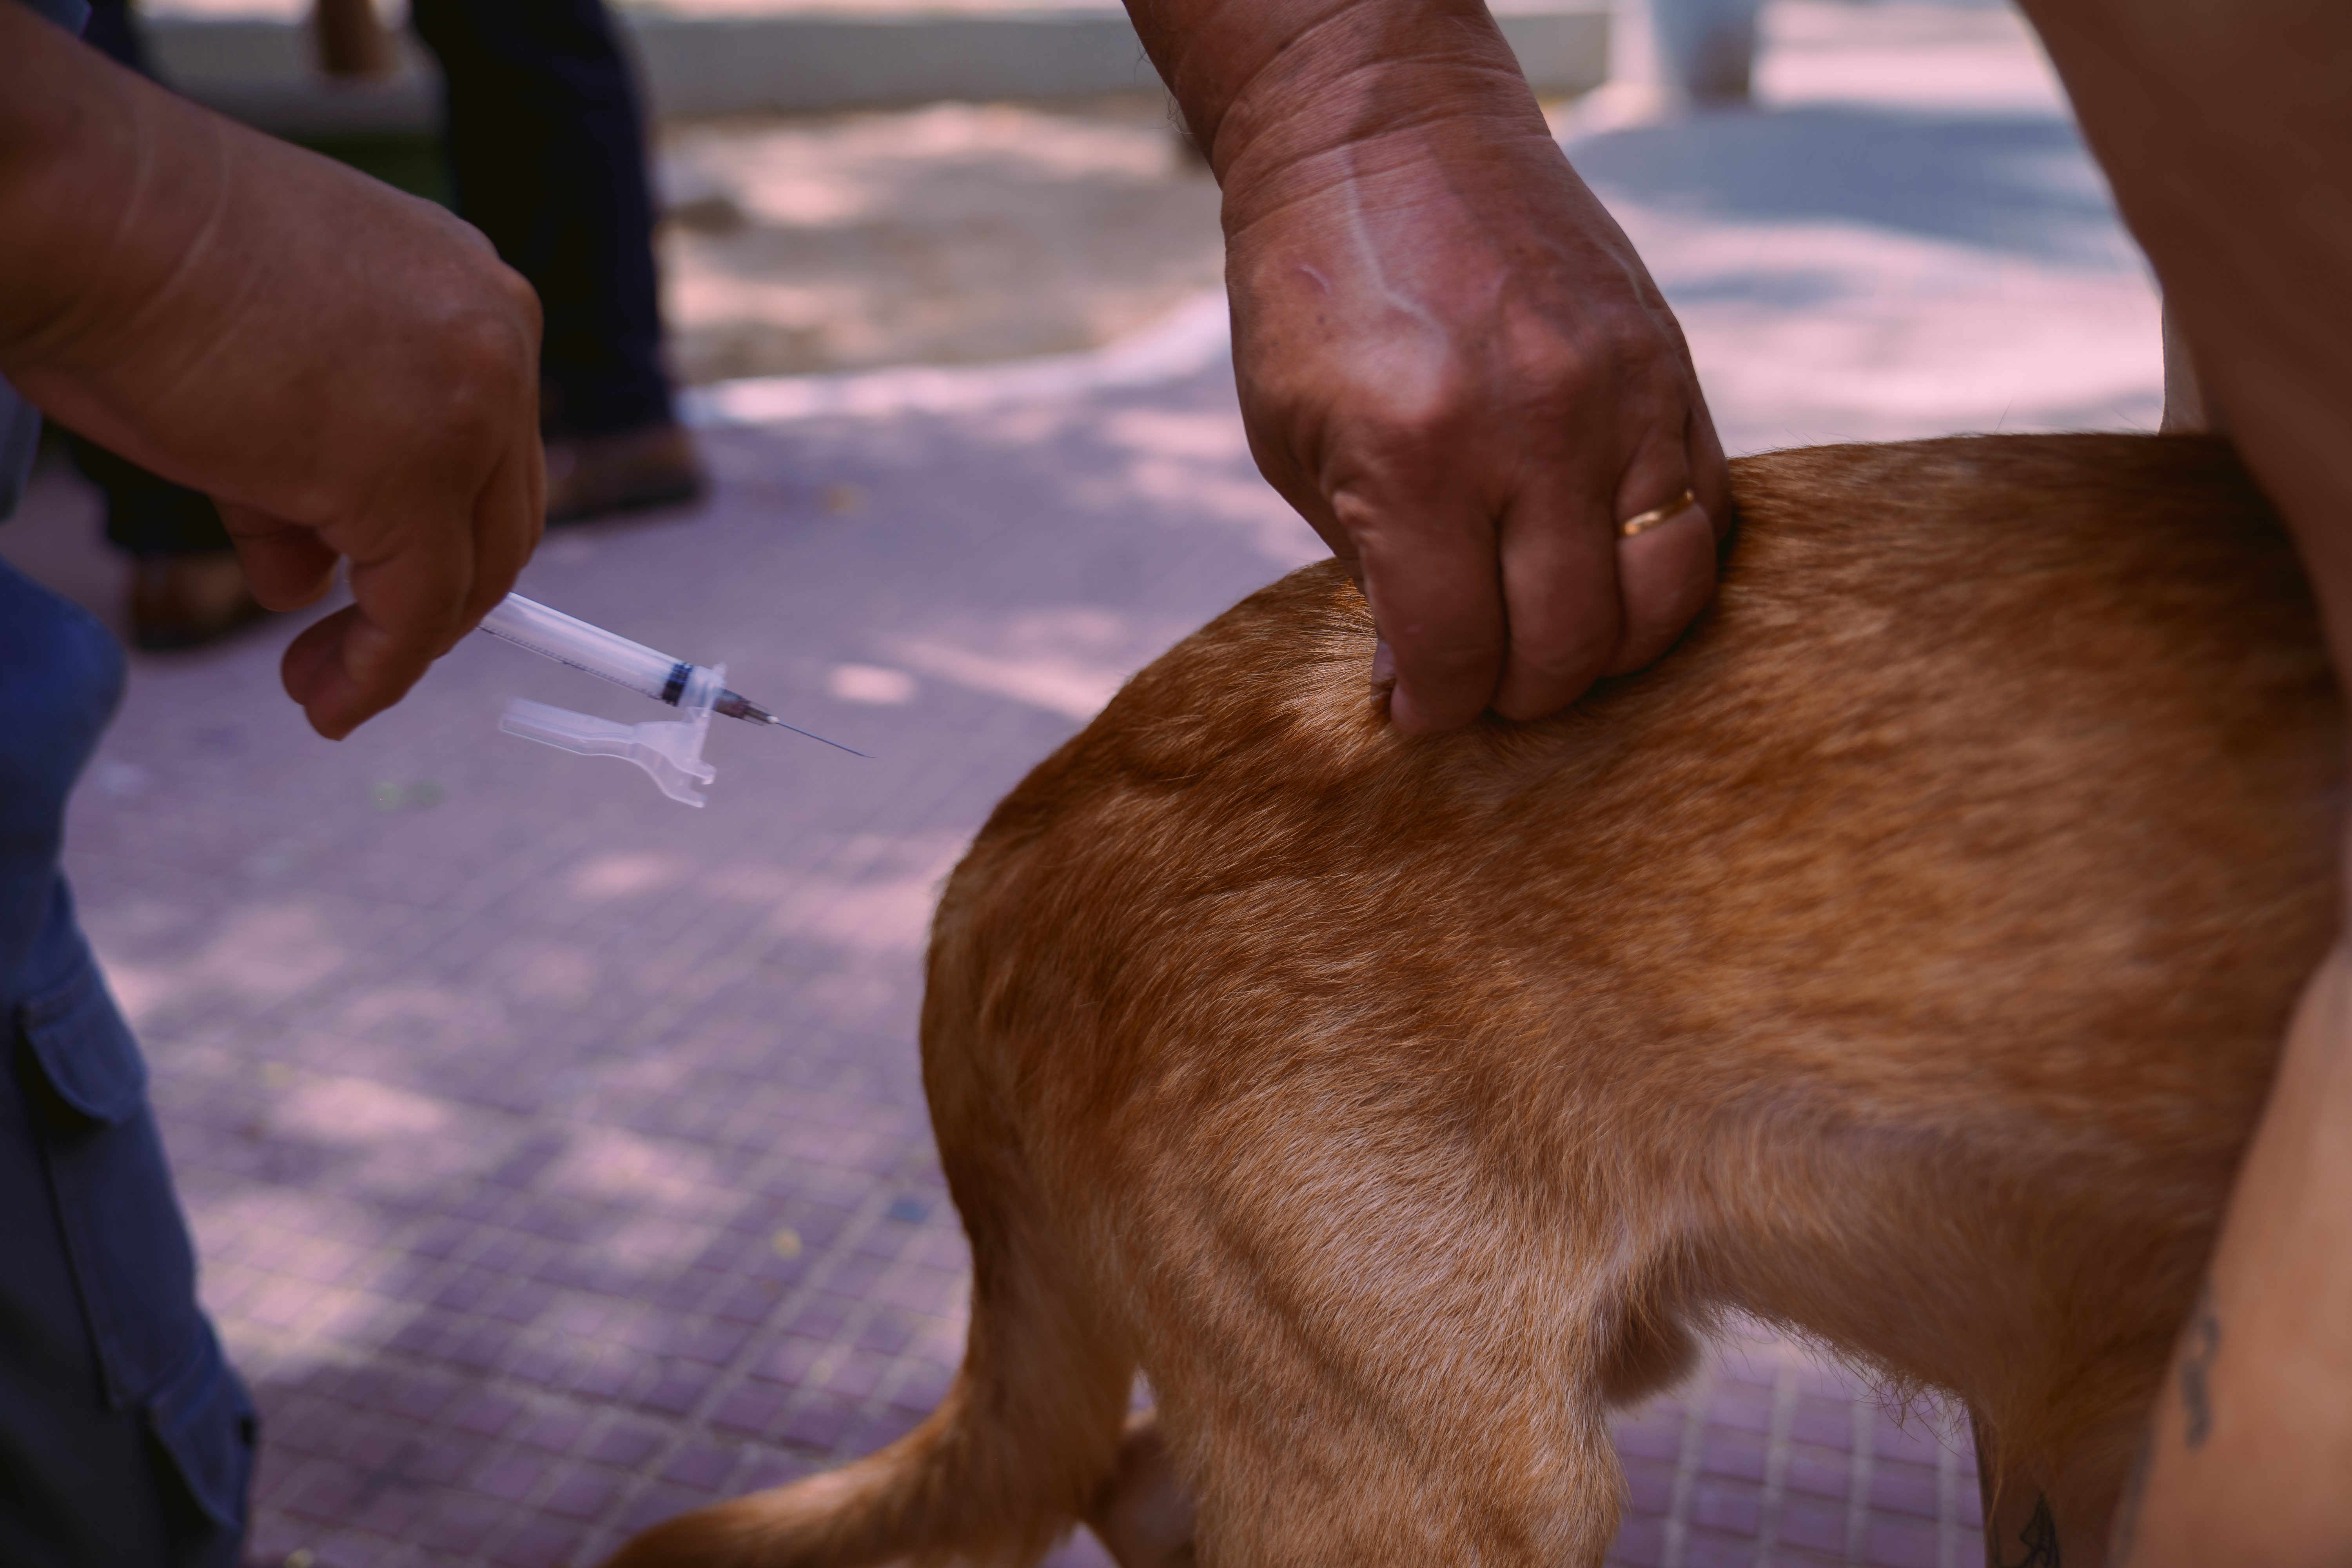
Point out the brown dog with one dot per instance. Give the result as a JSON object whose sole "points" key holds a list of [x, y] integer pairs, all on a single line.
{"points": [[1902, 960]]}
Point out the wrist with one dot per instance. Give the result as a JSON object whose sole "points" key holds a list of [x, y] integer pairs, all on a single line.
{"points": [[1266, 87]]}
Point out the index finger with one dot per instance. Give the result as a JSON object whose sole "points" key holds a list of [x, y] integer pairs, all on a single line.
{"points": [[1432, 573], [436, 579]]}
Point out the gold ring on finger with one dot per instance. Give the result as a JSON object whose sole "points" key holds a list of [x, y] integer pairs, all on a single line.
{"points": [[1642, 521]]}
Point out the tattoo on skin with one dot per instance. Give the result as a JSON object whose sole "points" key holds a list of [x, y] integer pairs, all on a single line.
{"points": [[2127, 1530], [2200, 1344], [2040, 1539]]}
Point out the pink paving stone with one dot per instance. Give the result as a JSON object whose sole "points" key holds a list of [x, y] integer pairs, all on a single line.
{"points": [[521, 1302], [789, 1359], [485, 1411], [1901, 1543], [1640, 1542], [535, 1362], [1826, 1422], [714, 1342], [511, 1477], [555, 1429], [393, 1511], [855, 1374], [674, 1393], [325, 1489], [480, 1347], [1649, 1485], [369, 1442], [1708, 1548], [822, 1315], [1906, 1489], [922, 1387], [1826, 1472], [608, 1376], [584, 1491], [705, 1466], [920, 1289], [656, 1503], [461, 1523], [820, 1422], [854, 1276], [943, 1248], [1791, 1557], [1742, 1406], [1727, 1505], [1657, 1434], [882, 1427], [628, 1444], [540, 1543], [1733, 1453], [1915, 1440], [357, 1549], [753, 1405], [1806, 1521], [887, 1333], [763, 1469]]}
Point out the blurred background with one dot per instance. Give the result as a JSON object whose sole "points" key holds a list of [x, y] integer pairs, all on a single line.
{"points": [[557, 1154]]}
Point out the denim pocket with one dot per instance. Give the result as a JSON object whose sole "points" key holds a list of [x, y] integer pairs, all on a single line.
{"points": [[206, 1421], [128, 1243], [123, 1232]]}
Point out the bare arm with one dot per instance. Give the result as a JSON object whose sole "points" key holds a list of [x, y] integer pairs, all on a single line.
{"points": [[2225, 127], [349, 372], [1450, 360]]}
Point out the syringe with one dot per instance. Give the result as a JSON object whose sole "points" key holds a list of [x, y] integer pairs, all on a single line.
{"points": [[553, 634]]}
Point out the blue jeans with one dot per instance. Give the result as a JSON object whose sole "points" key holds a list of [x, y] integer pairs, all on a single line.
{"points": [[125, 1437]]}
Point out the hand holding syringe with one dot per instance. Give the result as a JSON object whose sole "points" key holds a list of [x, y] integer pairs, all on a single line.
{"points": [[671, 752]]}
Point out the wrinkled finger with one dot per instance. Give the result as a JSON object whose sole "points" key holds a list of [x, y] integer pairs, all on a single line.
{"points": [[509, 523], [1560, 587], [285, 564], [1666, 548], [406, 612], [1665, 575], [1435, 583]]}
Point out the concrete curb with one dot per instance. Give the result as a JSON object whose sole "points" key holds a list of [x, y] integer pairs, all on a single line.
{"points": [[258, 71]]}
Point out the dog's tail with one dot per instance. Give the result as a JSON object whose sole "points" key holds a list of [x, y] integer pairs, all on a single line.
{"points": [[1026, 1438], [1029, 1433]]}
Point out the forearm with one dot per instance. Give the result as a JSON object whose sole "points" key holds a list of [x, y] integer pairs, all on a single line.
{"points": [[2223, 126], [1271, 86], [1449, 358], [94, 162], [349, 372]]}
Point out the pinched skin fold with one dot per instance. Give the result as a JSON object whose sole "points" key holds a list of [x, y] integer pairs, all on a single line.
{"points": [[1902, 960]]}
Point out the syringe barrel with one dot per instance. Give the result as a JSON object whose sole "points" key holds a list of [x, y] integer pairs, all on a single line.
{"points": [[554, 634]]}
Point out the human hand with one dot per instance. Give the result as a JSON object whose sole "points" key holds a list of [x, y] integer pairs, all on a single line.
{"points": [[1450, 360], [349, 372]]}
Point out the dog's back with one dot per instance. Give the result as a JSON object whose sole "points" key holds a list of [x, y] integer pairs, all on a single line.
{"points": [[1902, 960]]}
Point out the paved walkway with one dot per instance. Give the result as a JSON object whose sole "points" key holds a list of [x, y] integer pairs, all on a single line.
{"points": [[557, 1154]]}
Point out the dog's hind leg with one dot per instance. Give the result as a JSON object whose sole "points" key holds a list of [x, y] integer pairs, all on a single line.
{"points": [[1024, 1439], [1404, 1387]]}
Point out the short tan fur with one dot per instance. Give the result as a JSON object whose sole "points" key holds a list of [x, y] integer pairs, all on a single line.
{"points": [[1902, 960]]}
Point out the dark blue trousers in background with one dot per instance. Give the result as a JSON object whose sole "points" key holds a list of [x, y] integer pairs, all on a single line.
{"points": [[546, 147], [125, 1438]]}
